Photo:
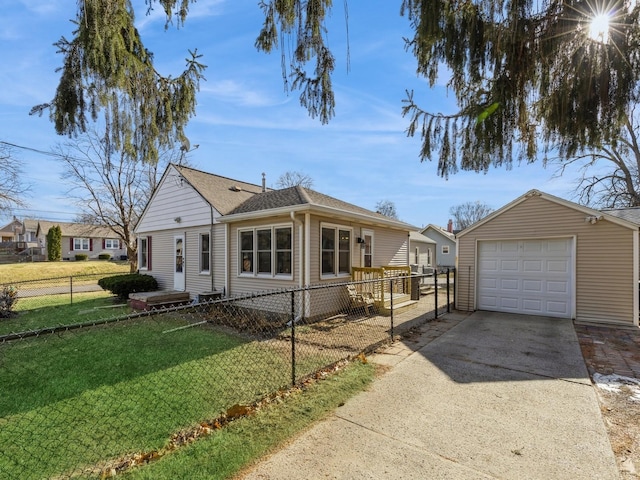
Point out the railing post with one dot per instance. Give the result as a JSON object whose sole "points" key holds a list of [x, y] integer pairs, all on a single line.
{"points": [[391, 294], [293, 339], [435, 290], [71, 288], [448, 296]]}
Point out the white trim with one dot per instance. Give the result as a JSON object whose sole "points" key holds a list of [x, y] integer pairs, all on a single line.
{"points": [[273, 274], [200, 270], [337, 227], [636, 278]]}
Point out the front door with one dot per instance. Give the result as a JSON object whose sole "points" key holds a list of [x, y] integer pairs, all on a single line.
{"points": [[179, 265]]}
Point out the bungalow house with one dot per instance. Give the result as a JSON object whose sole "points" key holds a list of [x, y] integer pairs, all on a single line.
{"points": [[78, 238], [446, 248], [542, 255], [204, 233]]}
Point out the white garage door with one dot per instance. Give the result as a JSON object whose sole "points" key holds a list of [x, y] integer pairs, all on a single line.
{"points": [[532, 277]]}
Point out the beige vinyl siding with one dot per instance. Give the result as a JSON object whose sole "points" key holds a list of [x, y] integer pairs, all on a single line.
{"points": [[238, 284], [604, 271], [162, 258], [219, 256], [196, 282], [390, 248], [174, 200]]}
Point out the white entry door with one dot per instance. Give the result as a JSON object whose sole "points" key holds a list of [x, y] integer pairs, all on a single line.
{"points": [[179, 264], [529, 276]]}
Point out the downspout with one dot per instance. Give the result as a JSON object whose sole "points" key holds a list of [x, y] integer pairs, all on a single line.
{"points": [[301, 264], [301, 256], [211, 252]]}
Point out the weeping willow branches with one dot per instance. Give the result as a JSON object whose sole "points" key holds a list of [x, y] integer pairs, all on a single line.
{"points": [[524, 74], [107, 70]]}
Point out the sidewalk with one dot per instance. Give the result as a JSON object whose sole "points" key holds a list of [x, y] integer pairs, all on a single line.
{"points": [[494, 396]]}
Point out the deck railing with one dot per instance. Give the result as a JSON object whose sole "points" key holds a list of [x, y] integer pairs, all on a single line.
{"points": [[383, 290]]}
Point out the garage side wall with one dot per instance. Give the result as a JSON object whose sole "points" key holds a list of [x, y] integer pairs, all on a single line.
{"points": [[604, 260]]}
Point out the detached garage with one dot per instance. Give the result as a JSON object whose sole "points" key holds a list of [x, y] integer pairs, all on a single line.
{"points": [[542, 255]]}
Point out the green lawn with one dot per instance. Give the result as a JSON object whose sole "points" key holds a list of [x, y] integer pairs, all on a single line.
{"points": [[87, 396], [54, 310], [19, 272]]}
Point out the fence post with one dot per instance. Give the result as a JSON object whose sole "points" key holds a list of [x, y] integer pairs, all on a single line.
{"points": [[391, 294], [455, 285], [448, 296], [71, 288], [435, 290], [293, 339]]}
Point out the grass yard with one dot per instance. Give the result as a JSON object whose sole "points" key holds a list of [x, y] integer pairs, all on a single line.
{"points": [[19, 272], [92, 395], [227, 452], [86, 307]]}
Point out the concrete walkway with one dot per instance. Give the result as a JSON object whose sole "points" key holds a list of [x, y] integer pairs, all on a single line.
{"points": [[495, 396]]}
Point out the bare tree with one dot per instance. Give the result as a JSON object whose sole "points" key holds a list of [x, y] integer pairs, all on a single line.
{"points": [[387, 208], [609, 176], [468, 213], [111, 187], [12, 186], [293, 179]]}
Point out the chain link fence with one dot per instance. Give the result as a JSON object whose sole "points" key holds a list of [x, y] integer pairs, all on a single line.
{"points": [[89, 400]]}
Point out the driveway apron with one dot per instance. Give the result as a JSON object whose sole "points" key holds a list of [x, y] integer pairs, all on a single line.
{"points": [[497, 396]]}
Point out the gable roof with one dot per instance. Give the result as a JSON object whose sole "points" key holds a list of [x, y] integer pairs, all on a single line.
{"points": [[418, 237], [299, 198], [236, 200], [76, 229], [560, 201], [437, 229], [222, 193]]}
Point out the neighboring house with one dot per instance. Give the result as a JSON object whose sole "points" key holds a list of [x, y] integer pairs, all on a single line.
{"points": [[79, 238], [446, 249], [201, 232], [542, 255], [30, 231], [421, 252], [11, 232]]}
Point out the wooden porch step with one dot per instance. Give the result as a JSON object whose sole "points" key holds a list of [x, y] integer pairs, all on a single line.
{"points": [[156, 300]]}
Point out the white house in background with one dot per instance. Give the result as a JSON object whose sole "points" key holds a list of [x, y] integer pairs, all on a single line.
{"points": [[201, 232], [445, 244], [421, 252]]}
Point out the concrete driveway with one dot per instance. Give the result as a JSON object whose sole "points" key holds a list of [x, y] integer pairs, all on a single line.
{"points": [[496, 396]]}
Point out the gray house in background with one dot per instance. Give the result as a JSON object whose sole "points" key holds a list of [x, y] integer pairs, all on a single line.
{"points": [[445, 244]]}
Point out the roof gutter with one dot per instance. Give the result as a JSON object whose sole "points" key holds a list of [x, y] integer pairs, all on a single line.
{"points": [[330, 211]]}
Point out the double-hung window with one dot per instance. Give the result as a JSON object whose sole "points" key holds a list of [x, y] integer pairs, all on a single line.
{"points": [[111, 244], [335, 251], [81, 244], [266, 251]]}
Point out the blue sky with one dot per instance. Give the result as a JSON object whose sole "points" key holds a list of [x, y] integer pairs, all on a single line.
{"points": [[246, 124]]}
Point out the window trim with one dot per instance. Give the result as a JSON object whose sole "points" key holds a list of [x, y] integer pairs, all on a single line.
{"points": [[336, 256], [273, 273], [82, 240], [201, 270], [111, 240], [147, 253], [445, 247]]}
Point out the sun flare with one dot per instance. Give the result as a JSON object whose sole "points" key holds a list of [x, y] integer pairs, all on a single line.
{"points": [[599, 28]]}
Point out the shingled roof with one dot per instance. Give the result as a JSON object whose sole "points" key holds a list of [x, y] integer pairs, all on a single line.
{"points": [[232, 197], [631, 214], [224, 194]]}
